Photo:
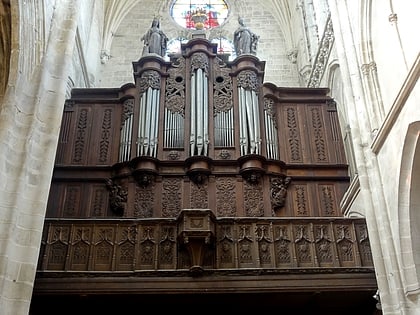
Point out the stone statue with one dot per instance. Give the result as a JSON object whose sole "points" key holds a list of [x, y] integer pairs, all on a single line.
{"points": [[155, 41], [244, 40]]}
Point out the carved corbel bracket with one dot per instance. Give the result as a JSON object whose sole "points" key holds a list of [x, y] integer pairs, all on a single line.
{"points": [[252, 167], [197, 234], [198, 169], [144, 170]]}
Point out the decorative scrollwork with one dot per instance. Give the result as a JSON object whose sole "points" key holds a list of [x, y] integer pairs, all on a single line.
{"points": [[248, 80], [150, 79]]}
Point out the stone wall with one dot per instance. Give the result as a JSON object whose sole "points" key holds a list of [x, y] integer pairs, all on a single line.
{"points": [[127, 45]]}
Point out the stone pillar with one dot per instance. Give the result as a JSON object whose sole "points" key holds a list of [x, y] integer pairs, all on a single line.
{"points": [[30, 119]]}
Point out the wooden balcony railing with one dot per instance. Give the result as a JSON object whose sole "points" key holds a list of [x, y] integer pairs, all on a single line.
{"points": [[198, 241]]}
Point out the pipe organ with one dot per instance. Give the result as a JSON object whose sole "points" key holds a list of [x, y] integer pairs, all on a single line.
{"points": [[200, 132], [200, 168]]}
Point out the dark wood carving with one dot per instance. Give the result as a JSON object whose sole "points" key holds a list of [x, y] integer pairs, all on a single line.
{"points": [[172, 211]]}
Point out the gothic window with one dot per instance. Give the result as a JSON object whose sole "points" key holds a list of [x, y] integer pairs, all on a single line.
{"points": [[211, 13]]}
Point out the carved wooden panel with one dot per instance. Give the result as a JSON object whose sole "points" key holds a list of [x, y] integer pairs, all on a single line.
{"points": [[144, 200], [125, 242], [72, 198], [80, 249], [283, 246], [226, 196], [99, 201], [239, 243], [103, 247], [167, 247], [171, 196], [147, 247], [316, 130], [89, 135], [363, 243], [291, 137]]}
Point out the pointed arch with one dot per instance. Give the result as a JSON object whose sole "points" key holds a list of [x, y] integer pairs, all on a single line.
{"points": [[409, 210]]}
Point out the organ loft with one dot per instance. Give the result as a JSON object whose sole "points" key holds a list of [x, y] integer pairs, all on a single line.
{"points": [[199, 170]]}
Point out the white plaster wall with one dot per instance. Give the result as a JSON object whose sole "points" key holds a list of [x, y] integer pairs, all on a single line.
{"points": [[395, 48]]}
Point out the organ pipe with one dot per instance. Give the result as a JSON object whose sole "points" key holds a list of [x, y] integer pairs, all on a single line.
{"points": [[148, 123], [199, 113]]}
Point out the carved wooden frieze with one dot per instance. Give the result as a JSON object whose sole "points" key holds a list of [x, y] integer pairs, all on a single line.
{"points": [[253, 199], [171, 196], [226, 196], [205, 242], [199, 194], [144, 200]]}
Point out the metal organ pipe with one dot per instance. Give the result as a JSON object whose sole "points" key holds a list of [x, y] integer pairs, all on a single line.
{"points": [[193, 114], [250, 134], [205, 114], [199, 113], [271, 131], [242, 122], [148, 123], [142, 122], [126, 134]]}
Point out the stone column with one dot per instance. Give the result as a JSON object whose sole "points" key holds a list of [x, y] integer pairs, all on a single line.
{"points": [[30, 119]]}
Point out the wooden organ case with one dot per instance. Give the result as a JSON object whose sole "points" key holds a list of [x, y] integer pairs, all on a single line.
{"points": [[201, 170]]}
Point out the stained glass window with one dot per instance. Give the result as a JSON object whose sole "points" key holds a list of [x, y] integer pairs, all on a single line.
{"points": [[187, 12]]}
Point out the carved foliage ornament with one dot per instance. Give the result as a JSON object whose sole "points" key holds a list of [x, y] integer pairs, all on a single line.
{"points": [[270, 109], [199, 61], [248, 80], [128, 107], [150, 79], [222, 88], [175, 88]]}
